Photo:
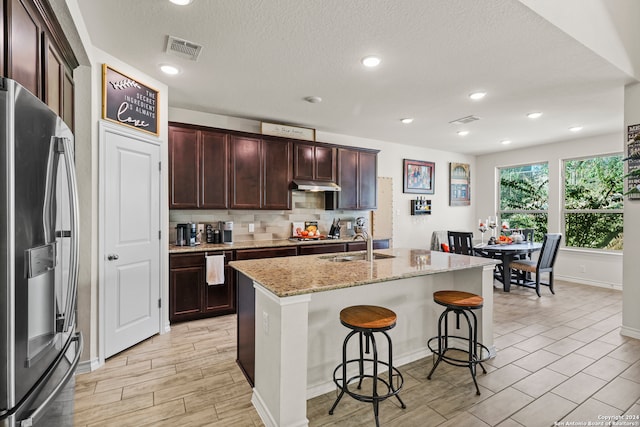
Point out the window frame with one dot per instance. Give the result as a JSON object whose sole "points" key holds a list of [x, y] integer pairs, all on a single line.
{"points": [[563, 203], [500, 212]]}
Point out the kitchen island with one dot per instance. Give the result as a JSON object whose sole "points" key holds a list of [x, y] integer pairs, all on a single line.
{"points": [[289, 332]]}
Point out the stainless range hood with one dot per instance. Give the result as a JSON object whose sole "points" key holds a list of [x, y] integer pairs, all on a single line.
{"points": [[302, 185]]}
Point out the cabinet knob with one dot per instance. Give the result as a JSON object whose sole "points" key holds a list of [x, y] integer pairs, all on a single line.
{"points": [[112, 257]]}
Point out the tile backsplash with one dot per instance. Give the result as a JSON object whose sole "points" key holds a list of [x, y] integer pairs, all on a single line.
{"points": [[268, 225]]}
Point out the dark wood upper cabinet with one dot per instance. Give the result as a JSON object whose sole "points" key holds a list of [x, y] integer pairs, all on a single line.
{"points": [[35, 53], [314, 162], [214, 156], [68, 106], [24, 33], [184, 168], [357, 178], [277, 174], [54, 78], [367, 180], [260, 173], [198, 168], [246, 172], [3, 53]]}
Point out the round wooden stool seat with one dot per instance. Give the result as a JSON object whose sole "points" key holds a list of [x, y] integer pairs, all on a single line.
{"points": [[371, 317], [458, 299]]}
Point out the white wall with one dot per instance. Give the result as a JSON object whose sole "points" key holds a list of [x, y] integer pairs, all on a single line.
{"points": [[408, 231], [600, 268], [631, 291]]}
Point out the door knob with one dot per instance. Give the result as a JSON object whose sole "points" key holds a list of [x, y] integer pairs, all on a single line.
{"points": [[112, 257]]}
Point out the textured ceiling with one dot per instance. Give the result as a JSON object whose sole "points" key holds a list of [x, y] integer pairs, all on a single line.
{"points": [[261, 58]]}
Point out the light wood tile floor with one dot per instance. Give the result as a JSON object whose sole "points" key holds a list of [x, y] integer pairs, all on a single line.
{"points": [[560, 358]]}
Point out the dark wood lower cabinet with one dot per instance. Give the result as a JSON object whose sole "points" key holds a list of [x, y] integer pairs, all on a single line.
{"points": [[189, 295]]}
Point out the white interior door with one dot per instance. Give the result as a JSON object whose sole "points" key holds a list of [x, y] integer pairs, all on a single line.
{"points": [[131, 243]]}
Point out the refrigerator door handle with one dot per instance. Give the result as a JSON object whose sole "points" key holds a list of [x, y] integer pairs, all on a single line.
{"points": [[74, 218], [28, 422]]}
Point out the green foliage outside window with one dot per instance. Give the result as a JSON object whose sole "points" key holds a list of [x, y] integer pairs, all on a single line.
{"points": [[524, 196], [593, 202]]}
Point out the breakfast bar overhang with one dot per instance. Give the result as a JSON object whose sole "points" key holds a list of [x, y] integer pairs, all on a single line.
{"points": [[297, 301]]}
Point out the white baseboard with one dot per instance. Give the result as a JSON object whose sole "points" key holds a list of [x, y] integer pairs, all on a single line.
{"points": [[266, 416], [582, 281], [630, 332], [87, 366]]}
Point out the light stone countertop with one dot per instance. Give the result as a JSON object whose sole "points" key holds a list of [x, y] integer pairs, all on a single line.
{"points": [[257, 244], [297, 275]]}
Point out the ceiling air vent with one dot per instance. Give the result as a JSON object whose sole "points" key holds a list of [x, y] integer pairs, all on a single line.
{"points": [[183, 48], [464, 120]]}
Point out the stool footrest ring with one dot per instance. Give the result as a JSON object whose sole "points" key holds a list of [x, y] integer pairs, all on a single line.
{"points": [[391, 389], [459, 362]]}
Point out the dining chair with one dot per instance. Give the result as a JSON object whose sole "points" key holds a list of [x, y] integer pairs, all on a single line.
{"points": [[460, 242], [544, 264]]}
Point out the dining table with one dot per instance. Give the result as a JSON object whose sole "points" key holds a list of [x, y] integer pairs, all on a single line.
{"points": [[506, 252]]}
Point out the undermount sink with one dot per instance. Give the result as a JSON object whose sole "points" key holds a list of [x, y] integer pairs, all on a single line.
{"points": [[355, 257]]}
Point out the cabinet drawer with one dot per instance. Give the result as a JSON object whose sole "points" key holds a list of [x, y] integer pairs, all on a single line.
{"points": [[243, 254], [186, 260], [322, 249], [228, 255], [356, 246]]}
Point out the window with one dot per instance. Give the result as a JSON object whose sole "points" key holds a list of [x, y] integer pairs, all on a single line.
{"points": [[524, 197], [593, 202]]}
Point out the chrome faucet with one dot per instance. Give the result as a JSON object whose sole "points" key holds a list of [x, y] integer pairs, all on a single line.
{"points": [[368, 239]]}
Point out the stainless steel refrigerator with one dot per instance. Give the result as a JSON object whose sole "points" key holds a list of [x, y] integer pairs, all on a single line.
{"points": [[39, 346]]}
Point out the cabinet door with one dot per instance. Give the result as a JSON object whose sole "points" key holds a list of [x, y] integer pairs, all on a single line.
{"points": [[347, 179], [303, 161], [67, 100], [367, 180], [325, 162], [2, 51], [214, 156], [246, 172], [276, 160], [53, 77], [221, 299], [24, 47], [185, 293], [183, 168]]}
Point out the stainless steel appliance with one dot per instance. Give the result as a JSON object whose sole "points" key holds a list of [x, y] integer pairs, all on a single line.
{"points": [[39, 347], [186, 234], [226, 230]]}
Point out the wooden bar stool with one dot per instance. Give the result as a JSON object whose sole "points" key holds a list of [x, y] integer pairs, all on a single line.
{"points": [[460, 303], [364, 320]]}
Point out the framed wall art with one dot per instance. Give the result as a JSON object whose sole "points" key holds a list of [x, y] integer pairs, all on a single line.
{"points": [[418, 176], [459, 184], [128, 102]]}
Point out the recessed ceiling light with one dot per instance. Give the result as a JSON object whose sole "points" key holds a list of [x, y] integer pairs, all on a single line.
{"points": [[575, 128], [505, 142], [370, 61], [169, 69], [181, 2], [313, 99], [407, 120], [534, 115], [463, 132], [477, 95]]}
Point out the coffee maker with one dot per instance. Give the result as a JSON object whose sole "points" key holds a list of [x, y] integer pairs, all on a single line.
{"points": [[226, 229], [186, 234]]}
